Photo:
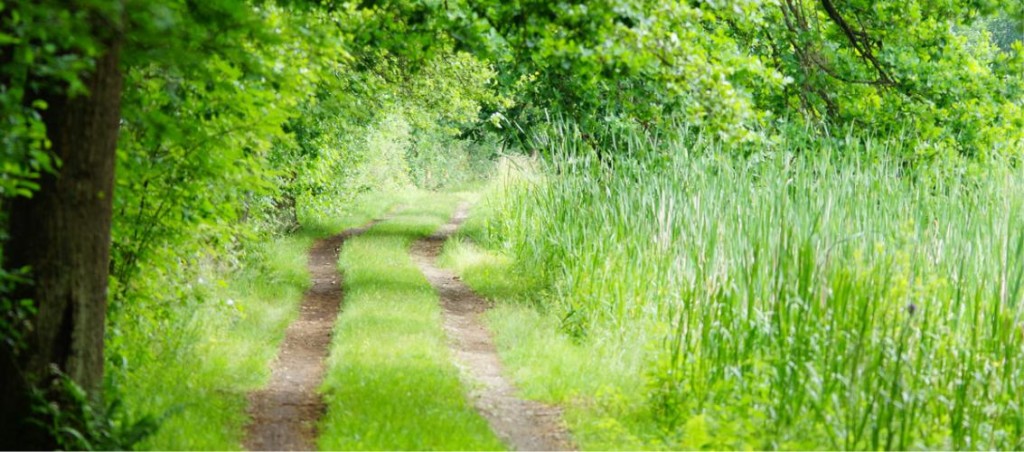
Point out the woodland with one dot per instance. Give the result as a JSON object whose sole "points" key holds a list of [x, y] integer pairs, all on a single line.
{"points": [[694, 224]]}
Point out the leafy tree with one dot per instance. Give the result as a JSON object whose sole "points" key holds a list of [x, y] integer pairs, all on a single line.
{"points": [[912, 70], [202, 105]]}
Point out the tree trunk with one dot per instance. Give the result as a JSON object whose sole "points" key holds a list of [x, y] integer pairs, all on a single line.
{"points": [[63, 234]]}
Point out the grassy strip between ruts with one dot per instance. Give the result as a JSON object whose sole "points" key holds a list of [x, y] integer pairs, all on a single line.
{"points": [[198, 372], [390, 382]]}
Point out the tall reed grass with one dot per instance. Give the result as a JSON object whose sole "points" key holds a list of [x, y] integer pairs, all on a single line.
{"points": [[827, 298]]}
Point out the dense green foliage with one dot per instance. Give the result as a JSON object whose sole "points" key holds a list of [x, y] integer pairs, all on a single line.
{"points": [[925, 71], [240, 122], [729, 178], [209, 174]]}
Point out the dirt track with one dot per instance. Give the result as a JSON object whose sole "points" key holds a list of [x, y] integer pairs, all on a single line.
{"points": [[285, 413], [522, 424]]}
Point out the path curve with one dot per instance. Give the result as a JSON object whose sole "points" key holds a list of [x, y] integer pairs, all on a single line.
{"points": [[284, 414], [522, 424]]}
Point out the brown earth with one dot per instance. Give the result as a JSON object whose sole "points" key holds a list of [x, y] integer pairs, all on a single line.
{"points": [[284, 414], [522, 424]]}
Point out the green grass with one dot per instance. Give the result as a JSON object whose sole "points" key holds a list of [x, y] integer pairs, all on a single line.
{"points": [[596, 382], [192, 363], [391, 383], [697, 300]]}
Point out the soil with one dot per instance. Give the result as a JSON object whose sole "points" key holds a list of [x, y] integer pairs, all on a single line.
{"points": [[285, 413], [522, 424]]}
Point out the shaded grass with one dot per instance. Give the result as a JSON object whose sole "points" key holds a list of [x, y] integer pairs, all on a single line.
{"points": [[192, 363], [390, 382]]}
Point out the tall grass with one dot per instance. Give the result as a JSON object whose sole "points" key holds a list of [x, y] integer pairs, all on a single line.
{"points": [[830, 298]]}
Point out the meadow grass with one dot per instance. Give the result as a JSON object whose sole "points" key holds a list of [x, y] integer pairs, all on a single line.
{"points": [[597, 382], [390, 382], [832, 299], [193, 363]]}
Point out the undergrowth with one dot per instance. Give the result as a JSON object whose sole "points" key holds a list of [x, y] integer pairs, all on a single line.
{"points": [[189, 353]]}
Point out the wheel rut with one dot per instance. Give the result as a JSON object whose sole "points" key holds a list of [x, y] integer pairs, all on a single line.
{"points": [[284, 414], [522, 424]]}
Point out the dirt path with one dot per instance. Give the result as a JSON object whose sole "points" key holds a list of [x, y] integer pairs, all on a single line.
{"points": [[284, 413], [522, 424]]}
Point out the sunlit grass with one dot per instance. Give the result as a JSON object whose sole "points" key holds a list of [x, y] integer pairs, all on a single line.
{"points": [[595, 382], [391, 383], [774, 301], [192, 363]]}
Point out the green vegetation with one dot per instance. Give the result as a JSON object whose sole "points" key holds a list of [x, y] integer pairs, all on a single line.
{"points": [[191, 363], [775, 301], [596, 381], [390, 382], [225, 142], [747, 223], [599, 383]]}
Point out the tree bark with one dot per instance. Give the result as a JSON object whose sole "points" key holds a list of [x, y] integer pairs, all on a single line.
{"points": [[63, 234]]}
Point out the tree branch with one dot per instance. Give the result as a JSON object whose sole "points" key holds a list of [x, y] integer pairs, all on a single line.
{"points": [[862, 48]]}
